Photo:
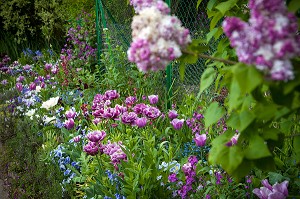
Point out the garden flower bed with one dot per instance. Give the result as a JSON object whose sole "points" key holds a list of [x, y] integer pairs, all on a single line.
{"points": [[72, 128]]}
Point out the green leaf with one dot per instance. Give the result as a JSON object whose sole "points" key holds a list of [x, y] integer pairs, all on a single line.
{"points": [[235, 96], [228, 157], [225, 6], [198, 3], [270, 134], [213, 113], [240, 121], [265, 111], [248, 77], [211, 4], [211, 34], [181, 71], [265, 164], [214, 21], [207, 78], [294, 5], [257, 148]]}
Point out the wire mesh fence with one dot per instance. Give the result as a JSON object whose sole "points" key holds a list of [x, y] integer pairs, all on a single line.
{"points": [[196, 20]]}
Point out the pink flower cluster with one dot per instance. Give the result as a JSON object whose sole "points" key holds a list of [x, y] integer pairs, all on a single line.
{"points": [[132, 114], [269, 40], [157, 36], [278, 190]]}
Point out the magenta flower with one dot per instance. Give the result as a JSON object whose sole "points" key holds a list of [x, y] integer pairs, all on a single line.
{"points": [[32, 86], [177, 123], [139, 108], [69, 124], [19, 86], [200, 140], [277, 191], [112, 113], [129, 118], [233, 140], [48, 66], [129, 101], [91, 148], [77, 138], [153, 99], [141, 122], [152, 112], [172, 114], [96, 136], [20, 78], [172, 177], [70, 114], [111, 94]]}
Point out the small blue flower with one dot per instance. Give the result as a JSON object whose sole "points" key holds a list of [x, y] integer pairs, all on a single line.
{"points": [[62, 167], [67, 160], [67, 172]]}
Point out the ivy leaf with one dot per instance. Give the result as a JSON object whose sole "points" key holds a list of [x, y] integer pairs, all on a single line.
{"points": [[213, 113], [257, 148], [240, 121], [225, 6], [207, 78]]}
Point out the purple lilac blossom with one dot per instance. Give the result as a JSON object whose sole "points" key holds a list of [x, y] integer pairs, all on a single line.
{"points": [[268, 40], [157, 38]]}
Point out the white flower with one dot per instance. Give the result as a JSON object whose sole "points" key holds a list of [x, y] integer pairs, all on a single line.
{"points": [[50, 103], [47, 119], [38, 89], [30, 113]]}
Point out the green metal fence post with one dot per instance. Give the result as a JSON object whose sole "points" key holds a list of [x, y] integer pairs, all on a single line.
{"points": [[169, 75], [98, 32]]}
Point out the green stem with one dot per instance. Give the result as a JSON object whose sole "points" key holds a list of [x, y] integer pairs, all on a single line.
{"points": [[291, 136]]}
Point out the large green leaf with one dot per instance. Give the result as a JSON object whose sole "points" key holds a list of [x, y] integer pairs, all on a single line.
{"points": [[257, 148], [213, 113], [265, 111], [198, 3], [248, 77], [228, 157], [223, 7], [240, 121], [296, 144], [294, 5], [207, 78]]}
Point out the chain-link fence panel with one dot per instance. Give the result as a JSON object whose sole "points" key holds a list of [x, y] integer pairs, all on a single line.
{"points": [[118, 19]]}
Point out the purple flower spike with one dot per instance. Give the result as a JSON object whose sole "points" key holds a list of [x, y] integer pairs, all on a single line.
{"points": [[153, 99], [172, 177], [172, 114], [96, 136], [69, 124], [141, 122], [177, 123], [91, 148], [200, 140]]}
